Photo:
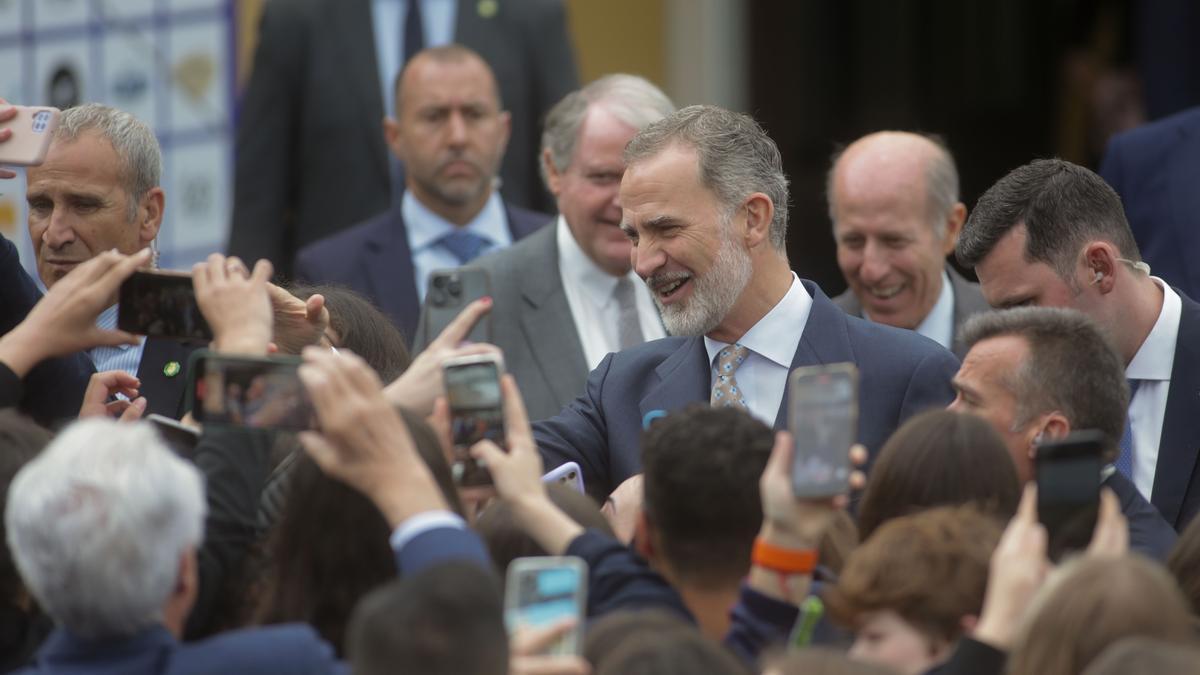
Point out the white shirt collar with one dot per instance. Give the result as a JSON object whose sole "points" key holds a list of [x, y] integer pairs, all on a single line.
{"points": [[777, 335], [938, 325], [1155, 359], [425, 227], [577, 268]]}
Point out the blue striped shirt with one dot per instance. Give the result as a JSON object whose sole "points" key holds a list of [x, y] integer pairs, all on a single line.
{"points": [[122, 357]]}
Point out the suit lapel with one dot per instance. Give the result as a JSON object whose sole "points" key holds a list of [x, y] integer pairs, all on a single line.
{"points": [[824, 340], [683, 378], [968, 301], [350, 23], [1180, 440], [1184, 161], [389, 269], [548, 325], [163, 375]]}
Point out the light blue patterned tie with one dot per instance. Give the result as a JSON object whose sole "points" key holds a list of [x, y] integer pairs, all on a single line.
{"points": [[463, 244], [726, 392], [1124, 461]]}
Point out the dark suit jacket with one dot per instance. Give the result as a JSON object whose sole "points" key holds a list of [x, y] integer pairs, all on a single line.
{"points": [[968, 301], [165, 394], [532, 323], [1176, 491], [1149, 533], [374, 259], [52, 391], [310, 159], [902, 373], [1153, 168]]}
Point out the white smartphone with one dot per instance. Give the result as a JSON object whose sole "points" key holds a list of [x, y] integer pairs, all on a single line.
{"points": [[31, 132], [544, 591], [568, 474], [823, 419]]}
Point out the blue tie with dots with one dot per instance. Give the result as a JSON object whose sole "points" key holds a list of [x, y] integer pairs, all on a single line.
{"points": [[1124, 461], [463, 244], [725, 392]]}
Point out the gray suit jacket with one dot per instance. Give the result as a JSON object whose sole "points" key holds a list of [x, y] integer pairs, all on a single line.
{"points": [[968, 301], [310, 158], [532, 323]]}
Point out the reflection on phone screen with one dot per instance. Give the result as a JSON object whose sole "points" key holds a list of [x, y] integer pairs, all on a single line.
{"points": [[546, 597], [250, 393], [477, 413]]}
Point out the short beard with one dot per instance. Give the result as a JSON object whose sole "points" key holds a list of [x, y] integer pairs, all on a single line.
{"points": [[714, 293]]}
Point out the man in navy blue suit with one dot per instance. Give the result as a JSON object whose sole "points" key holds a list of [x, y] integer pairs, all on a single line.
{"points": [[450, 131], [704, 201], [1037, 373], [1053, 234], [1154, 169]]}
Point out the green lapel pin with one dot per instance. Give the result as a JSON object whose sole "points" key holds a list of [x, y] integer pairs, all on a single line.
{"points": [[171, 369], [487, 8]]}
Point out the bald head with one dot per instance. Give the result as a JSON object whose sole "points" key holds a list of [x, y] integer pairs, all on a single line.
{"points": [[893, 200]]}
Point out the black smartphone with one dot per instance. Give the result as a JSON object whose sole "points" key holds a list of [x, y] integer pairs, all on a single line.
{"points": [[161, 304], [448, 293], [179, 437], [823, 419], [245, 391], [1068, 482], [476, 412]]}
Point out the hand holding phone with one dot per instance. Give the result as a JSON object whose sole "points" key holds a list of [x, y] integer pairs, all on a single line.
{"points": [[544, 591], [476, 412], [244, 391], [29, 132], [161, 304], [823, 420], [449, 291]]}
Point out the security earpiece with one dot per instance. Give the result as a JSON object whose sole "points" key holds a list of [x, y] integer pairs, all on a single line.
{"points": [[1098, 278]]}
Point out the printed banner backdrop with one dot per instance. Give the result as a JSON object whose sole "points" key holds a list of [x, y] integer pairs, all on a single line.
{"points": [[170, 63]]}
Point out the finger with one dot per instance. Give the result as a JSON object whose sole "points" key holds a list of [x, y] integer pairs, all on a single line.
{"points": [[111, 338], [314, 309], [95, 271], [456, 331], [780, 461], [134, 411], [516, 420], [440, 422], [534, 640], [262, 271], [1027, 509], [5, 173], [113, 379], [7, 111], [488, 452], [858, 480], [858, 455], [235, 267]]}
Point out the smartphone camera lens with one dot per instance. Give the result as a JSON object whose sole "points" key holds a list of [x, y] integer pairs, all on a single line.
{"points": [[454, 286], [439, 282]]}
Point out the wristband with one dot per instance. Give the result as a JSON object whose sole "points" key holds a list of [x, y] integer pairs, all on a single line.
{"points": [[785, 560]]}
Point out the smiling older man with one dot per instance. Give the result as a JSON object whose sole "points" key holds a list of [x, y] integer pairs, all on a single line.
{"points": [[704, 199]]}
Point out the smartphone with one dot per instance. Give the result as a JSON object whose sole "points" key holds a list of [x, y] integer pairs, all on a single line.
{"points": [[476, 412], [1068, 488], [448, 293], [181, 438], [543, 591], [32, 129], [568, 474], [247, 391], [823, 419], [161, 304]]}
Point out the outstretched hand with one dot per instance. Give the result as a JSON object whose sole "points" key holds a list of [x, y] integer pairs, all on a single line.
{"points": [[298, 323], [234, 303], [101, 388], [64, 321], [795, 522]]}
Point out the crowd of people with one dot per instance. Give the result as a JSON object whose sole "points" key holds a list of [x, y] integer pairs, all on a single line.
{"points": [[648, 332]]}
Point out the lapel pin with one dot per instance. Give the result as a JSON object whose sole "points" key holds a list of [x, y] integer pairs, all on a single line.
{"points": [[487, 8], [171, 369]]}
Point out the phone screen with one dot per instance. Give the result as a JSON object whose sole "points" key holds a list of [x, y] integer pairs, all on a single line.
{"points": [[263, 393], [476, 413], [162, 305], [823, 403], [542, 592], [1068, 480]]}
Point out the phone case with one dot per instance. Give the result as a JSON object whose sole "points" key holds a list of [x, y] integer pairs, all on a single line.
{"points": [[32, 129], [161, 303], [449, 291], [543, 591], [823, 419]]}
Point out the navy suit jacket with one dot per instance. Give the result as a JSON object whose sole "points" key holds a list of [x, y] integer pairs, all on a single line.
{"points": [[1176, 491], [901, 374], [165, 392], [374, 259], [1149, 533], [1154, 169]]}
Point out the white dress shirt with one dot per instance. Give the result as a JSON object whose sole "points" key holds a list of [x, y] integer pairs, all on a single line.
{"points": [[938, 325], [772, 344], [589, 291], [1152, 365], [120, 357], [387, 18], [426, 228]]}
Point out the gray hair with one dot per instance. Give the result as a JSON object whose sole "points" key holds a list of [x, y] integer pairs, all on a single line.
{"points": [[941, 182], [737, 157], [133, 141], [98, 522], [1062, 205], [632, 99], [1072, 367]]}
